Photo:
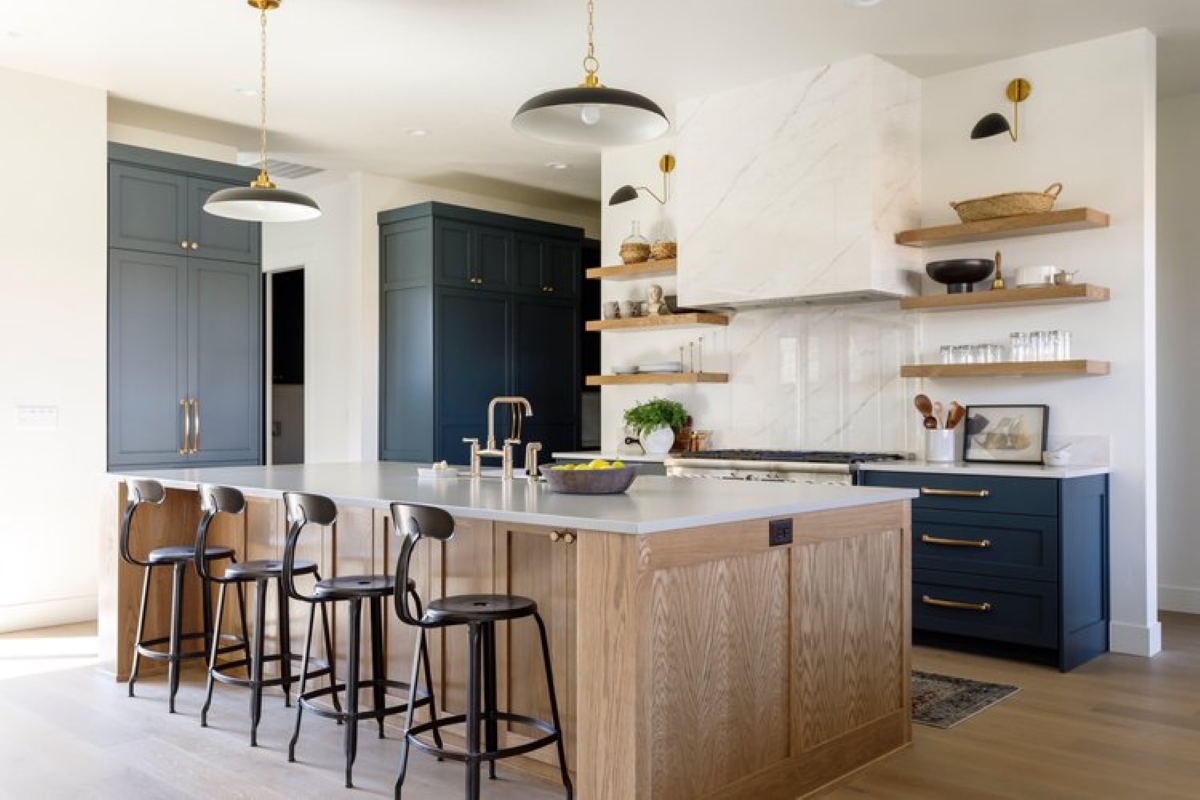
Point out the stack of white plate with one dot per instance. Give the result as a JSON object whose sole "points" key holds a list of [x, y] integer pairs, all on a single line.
{"points": [[666, 366]]}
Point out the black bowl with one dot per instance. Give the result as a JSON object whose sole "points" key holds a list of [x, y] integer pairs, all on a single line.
{"points": [[960, 274]]}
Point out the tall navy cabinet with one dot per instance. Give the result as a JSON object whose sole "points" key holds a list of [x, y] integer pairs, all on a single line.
{"points": [[184, 316], [475, 305]]}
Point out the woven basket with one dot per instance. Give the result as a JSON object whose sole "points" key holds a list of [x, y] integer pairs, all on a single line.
{"points": [[661, 251], [1007, 205], [635, 253]]}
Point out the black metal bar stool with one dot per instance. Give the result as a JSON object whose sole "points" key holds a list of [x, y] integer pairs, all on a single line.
{"points": [[480, 613], [216, 500], [303, 509], [139, 492]]}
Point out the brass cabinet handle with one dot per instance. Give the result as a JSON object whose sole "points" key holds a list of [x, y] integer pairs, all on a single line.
{"points": [[183, 243], [555, 536], [933, 601], [925, 490], [982, 544], [195, 425], [569, 537], [187, 426], [194, 245]]}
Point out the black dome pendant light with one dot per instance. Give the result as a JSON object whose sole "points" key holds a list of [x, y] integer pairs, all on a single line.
{"points": [[591, 113], [262, 201]]}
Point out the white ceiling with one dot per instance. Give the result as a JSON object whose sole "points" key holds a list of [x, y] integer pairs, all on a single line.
{"points": [[348, 78]]}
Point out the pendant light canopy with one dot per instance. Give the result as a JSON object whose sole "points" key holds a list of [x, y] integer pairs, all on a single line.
{"points": [[262, 201], [591, 113]]}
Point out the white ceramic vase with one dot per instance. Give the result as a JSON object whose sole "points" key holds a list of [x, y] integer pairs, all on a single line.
{"points": [[659, 440]]}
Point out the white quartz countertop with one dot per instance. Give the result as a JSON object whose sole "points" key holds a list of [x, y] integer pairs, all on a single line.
{"points": [[981, 468], [652, 504]]}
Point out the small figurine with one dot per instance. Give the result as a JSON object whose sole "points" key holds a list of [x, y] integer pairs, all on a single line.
{"points": [[657, 305]]}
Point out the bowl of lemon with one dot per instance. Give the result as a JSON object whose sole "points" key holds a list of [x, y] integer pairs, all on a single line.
{"points": [[595, 477]]}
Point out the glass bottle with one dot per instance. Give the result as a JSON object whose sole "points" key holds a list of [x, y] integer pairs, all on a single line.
{"points": [[635, 247]]}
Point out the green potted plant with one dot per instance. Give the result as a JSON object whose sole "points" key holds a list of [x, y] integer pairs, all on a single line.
{"points": [[656, 421]]}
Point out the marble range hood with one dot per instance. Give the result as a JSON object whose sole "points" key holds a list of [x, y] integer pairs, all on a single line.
{"points": [[790, 190]]}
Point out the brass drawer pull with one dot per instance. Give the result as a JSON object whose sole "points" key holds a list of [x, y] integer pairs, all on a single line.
{"points": [[933, 601], [982, 544], [925, 490]]}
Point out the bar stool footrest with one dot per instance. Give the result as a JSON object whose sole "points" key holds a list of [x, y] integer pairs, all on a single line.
{"points": [[148, 648], [552, 736], [306, 701], [317, 669]]}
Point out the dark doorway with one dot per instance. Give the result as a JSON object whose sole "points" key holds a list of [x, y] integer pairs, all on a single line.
{"points": [[286, 293]]}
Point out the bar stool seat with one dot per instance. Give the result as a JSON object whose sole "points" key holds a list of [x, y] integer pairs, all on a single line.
{"points": [[479, 613], [169, 648], [249, 671], [353, 590]]}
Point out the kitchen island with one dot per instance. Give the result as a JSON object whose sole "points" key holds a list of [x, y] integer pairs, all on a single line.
{"points": [[709, 638]]}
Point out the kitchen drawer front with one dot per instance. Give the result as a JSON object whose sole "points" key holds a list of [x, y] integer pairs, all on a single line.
{"points": [[999, 609], [1002, 545], [974, 492]]}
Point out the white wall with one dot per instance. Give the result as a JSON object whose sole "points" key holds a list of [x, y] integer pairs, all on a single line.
{"points": [[1089, 123], [53, 285], [340, 255], [1178, 332]]}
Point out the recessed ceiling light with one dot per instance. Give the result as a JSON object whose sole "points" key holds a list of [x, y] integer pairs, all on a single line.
{"points": [[556, 165], [864, 3], [417, 131], [19, 33], [246, 91]]}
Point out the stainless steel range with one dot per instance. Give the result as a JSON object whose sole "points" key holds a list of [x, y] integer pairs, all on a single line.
{"points": [[793, 466]]}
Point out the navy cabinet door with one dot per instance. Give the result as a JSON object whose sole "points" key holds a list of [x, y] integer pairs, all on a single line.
{"points": [[147, 358], [225, 368], [547, 267], [406, 424], [148, 210], [163, 212], [472, 354], [475, 256], [546, 370]]}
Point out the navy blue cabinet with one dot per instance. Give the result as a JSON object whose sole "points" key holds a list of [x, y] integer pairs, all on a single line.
{"points": [[184, 323], [1009, 565], [471, 308]]}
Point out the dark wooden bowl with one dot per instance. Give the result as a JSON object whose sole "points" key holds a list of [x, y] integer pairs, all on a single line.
{"points": [[590, 481], [960, 274]]}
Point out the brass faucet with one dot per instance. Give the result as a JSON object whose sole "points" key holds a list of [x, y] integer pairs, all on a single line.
{"points": [[504, 452]]}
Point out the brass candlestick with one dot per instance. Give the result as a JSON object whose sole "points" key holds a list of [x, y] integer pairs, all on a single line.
{"points": [[998, 282]]}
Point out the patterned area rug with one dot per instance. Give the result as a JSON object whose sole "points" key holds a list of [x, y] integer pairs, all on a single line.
{"points": [[942, 701]]}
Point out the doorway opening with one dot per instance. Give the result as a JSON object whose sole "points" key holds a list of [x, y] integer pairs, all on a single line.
{"points": [[285, 350]]}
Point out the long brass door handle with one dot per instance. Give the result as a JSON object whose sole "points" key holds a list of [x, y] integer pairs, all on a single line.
{"points": [[195, 425], [982, 544], [187, 426], [933, 601], [925, 490]]}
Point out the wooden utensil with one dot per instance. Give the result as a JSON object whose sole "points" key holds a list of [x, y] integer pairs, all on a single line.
{"points": [[955, 415], [937, 415], [925, 406]]}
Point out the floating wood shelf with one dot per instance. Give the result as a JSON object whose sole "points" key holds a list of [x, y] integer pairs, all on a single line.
{"points": [[1031, 296], [626, 272], [658, 321], [1068, 219], [1006, 368], [657, 377]]}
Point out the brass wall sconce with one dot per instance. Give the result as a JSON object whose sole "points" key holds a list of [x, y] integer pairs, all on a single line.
{"points": [[666, 165], [993, 124]]}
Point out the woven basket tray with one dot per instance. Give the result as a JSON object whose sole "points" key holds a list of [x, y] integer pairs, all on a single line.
{"points": [[1007, 205]]}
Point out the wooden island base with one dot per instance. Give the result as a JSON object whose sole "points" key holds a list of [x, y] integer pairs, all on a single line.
{"points": [[691, 663]]}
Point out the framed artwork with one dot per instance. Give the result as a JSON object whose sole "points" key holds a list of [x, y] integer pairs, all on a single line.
{"points": [[1005, 434]]}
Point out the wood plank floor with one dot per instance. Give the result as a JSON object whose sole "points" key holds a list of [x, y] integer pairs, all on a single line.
{"points": [[1117, 727]]}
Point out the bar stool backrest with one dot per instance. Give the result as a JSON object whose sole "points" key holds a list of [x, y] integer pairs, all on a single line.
{"points": [[214, 500], [138, 492], [412, 523], [302, 509]]}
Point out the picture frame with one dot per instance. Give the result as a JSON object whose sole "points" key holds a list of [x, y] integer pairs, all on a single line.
{"points": [[1005, 434]]}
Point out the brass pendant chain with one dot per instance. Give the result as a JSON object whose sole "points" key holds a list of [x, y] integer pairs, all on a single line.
{"points": [[590, 63], [263, 180]]}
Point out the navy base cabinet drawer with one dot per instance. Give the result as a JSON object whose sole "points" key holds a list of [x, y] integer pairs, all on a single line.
{"points": [[974, 492], [1023, 612], [1003, 545]]}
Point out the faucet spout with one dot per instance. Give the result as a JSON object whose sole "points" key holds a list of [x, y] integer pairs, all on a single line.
{"points": [[491, 414]]}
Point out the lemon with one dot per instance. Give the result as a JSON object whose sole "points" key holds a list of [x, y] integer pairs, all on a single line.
{"points": [[618, 465], [598, 463]]}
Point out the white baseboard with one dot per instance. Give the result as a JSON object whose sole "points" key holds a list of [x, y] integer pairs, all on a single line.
{"points": [[1135, 640], [1183, 599], [45, 614]]}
